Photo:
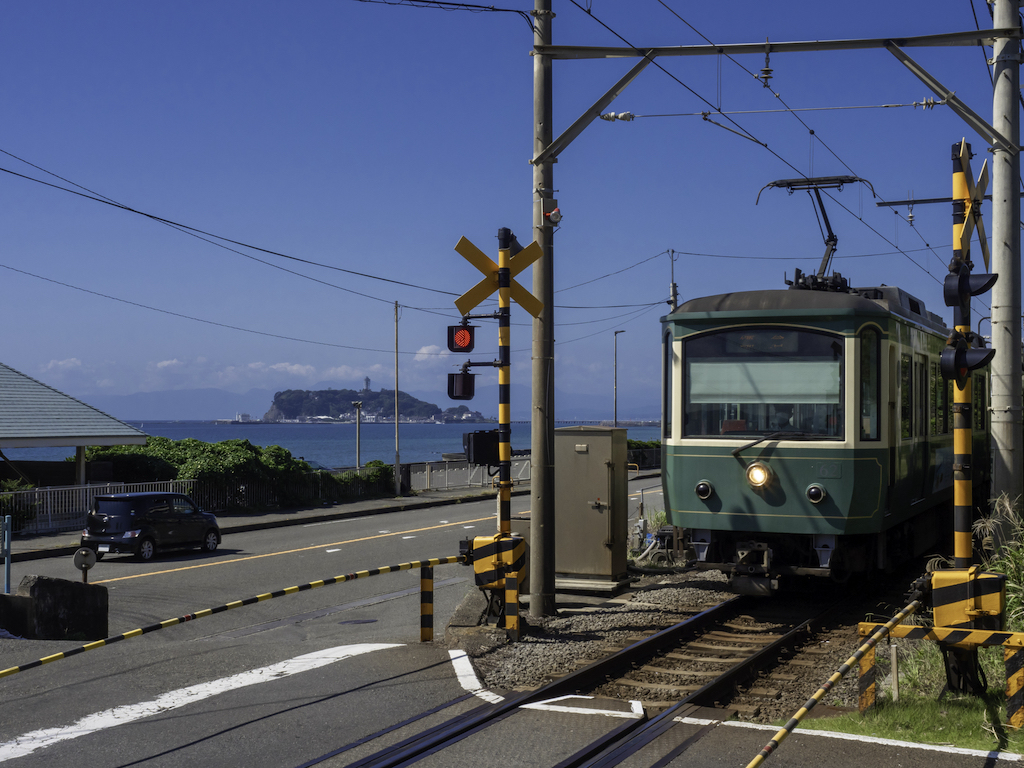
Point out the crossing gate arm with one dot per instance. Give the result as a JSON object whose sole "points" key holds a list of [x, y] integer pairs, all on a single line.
{"points": [[426, 596]]}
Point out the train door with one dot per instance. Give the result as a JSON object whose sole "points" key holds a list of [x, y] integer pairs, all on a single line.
{"points": [[920, 398], [892, 428]]}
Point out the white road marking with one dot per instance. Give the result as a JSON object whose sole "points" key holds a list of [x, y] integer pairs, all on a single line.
{"points": [[1008, 756], [30, 742], [406, 538], [467, 527], [635, 713], [330, 551], [468, 680]]}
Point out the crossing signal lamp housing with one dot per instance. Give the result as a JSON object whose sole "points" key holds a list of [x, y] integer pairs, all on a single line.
{"points": [[462, 385], [958, 360], [461, 338]]}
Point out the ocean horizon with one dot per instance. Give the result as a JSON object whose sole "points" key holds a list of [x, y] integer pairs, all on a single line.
{"points": [[332, 445]]}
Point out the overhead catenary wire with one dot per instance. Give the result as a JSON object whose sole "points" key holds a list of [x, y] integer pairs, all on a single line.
{"points": [[747, 134]]}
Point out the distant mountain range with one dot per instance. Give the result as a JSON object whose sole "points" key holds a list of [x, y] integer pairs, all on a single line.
{"points": [[211, 404]]}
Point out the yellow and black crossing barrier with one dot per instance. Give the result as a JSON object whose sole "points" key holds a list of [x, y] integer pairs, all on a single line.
{"points": [[863, 651], [423, 564], [498, 562], [1013, 658]]}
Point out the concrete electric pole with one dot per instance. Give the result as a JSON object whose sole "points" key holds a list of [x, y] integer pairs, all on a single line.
{"points": [[1007, 431]]}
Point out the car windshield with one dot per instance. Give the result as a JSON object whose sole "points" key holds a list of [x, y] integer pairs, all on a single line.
{"points": [[758, 381]]}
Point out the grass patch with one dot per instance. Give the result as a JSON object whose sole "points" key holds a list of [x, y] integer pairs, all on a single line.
{"points": [[957, 721]]}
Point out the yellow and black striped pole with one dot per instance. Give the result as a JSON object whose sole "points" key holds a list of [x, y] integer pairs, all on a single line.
{"points": [[426, 603], [504, 393], [963, 487], [505, 422]]}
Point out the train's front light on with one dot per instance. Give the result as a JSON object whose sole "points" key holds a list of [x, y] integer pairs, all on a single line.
{"points": [[704, 490], [759, 475], [815, 493]]}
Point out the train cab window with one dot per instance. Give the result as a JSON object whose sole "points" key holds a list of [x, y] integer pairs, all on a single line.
{"points": [[869, 383], [757, 381]]}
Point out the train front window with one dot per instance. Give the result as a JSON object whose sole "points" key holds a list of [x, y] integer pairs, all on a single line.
{"points": [[757, 381]]}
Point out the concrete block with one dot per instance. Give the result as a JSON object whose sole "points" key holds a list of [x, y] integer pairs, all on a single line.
{"points": [[63, 610]]}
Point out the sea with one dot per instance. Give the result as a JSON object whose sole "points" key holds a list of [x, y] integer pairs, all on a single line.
{"points": [[332, 445]]}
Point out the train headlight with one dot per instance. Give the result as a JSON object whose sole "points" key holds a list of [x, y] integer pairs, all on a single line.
{"points": [[759, 475], [704, 490], [815, 493]]}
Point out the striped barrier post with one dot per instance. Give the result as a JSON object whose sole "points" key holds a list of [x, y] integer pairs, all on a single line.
{"points": [[1013, 658], [869, 646], [866, 682], [426, 604], [231, 606]]}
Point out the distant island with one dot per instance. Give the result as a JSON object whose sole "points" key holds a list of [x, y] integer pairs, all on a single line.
{"points": [[335, 405]]}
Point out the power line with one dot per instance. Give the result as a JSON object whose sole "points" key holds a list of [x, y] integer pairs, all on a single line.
{"points": [[189, 230], [209, 322]]}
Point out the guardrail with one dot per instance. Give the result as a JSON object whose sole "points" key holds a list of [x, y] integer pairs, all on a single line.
{"points": [[460, 474], [426, 608]]}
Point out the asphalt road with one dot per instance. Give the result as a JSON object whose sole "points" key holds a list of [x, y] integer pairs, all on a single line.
{"points": [[291, 679], [253, 707]]}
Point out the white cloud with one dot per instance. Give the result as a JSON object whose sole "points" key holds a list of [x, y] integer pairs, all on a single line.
{"points": [[72, 363], [431, 354], [170, 364]]}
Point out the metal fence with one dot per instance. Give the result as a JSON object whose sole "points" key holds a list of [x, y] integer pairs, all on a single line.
{"points": [[442, 475], [52, 510]]}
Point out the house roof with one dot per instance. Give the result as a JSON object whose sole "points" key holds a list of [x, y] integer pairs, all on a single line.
{"points": [[33, 414]]}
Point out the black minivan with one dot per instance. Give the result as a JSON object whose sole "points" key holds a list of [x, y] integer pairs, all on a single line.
{"points": [[141, 523]]}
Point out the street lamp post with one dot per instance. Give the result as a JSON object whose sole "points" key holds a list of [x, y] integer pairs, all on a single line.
{"points": [[615, 378], [358, 405]]}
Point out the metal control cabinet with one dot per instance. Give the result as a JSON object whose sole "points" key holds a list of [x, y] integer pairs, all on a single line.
{"points": [[590, 508]]}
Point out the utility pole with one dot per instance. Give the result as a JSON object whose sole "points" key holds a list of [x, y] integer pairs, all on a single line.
{"points": [[1007, 431], [358, 405], [398, 463], [615, 378], [542, 435]]}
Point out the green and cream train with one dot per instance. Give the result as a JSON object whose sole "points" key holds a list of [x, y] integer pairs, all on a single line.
{"points": [[809, 432]]}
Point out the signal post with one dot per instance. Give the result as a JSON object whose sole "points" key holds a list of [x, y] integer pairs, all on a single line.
{"points": [[497, 560]]}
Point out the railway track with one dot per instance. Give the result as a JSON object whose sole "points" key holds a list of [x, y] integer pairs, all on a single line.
{"points": [[648, 694]]}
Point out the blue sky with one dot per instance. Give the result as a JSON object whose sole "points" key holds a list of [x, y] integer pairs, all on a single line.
{"points": [[371, 137]]}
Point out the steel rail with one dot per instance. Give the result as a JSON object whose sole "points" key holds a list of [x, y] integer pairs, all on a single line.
{"points": [[586, 678], [707, 696]]}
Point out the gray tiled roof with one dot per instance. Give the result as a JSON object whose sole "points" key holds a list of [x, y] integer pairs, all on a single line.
{"points": [[34, 414]]}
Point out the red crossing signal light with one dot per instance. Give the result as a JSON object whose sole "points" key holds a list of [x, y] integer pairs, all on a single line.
{"points": [[461, 338]]}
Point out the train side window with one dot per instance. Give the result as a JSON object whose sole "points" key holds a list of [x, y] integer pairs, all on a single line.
{"points": [[906, 414], [869, 384], [920, 397], [939, 406], [978, 407]]}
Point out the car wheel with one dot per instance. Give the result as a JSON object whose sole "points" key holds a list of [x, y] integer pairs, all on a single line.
{"points": [[210, 541], [146, 550]]}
